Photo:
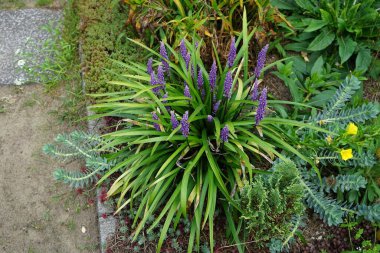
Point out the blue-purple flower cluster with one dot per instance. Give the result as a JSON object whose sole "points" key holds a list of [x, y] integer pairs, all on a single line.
{"points": [[232, 53], [260, 112], [184, 124], [149, 66], [156, 125], [173, 120], [261, 61], [212, 76], [224, 133], [164, 56], [255, 91], [186, 91], [227, 85]]}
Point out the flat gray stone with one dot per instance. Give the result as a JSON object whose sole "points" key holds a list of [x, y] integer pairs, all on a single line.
{"points": [[20, 30]]}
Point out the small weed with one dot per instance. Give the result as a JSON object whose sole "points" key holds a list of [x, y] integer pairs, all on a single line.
{"points": [[42, 3], [47, 216], [31, 250], [12, 4], [37, 225], [71, 225], [56, 58], [29, 103], [90, 246]]}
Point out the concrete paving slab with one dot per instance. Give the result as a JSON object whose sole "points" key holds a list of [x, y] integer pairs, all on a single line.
{"points": [[17, 29]]}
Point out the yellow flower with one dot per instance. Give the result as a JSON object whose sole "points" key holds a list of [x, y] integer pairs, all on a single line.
{"points": [[352, 129], [329, 139], [346, 154]]}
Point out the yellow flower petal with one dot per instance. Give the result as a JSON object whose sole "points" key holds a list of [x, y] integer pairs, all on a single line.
{"points": [[346, 154], [352, 129]]}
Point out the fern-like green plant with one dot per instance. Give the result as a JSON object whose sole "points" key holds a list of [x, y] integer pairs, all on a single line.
{"points": [[79, 145], [363, 159], [270, 202], [337, 111], [344, 183], [327, 208], [370, 213]]}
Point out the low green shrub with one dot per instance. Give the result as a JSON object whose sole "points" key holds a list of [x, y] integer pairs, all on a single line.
{"points": [[103, 39], [272, 204]]}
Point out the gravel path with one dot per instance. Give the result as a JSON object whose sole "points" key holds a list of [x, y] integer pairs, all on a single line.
{"points": [[19, 30], [37, 214]]}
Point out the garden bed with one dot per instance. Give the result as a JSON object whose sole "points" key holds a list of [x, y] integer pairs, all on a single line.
{"points": [[215, 168]]}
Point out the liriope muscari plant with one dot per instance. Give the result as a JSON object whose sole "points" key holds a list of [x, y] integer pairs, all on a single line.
{"points": [[192, 134], [83, 146]]}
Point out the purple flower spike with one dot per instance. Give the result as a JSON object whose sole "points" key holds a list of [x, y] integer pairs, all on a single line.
{"points": [[152, 78], [210, 118], [212, 76], [183, 49], [232, 53], [174, 120], [149, 66], [262, 105], [224, 134], [160, 76], [153, 81], [227, 85], [187, 60], [215, 107], [164, 55], [164, 100], [261, 60], [200, 79], [185, 126], [156, 125], [255, 92], [186, 92]]}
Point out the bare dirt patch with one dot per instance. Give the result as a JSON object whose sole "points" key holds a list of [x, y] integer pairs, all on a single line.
{"points": [[37, 213]]}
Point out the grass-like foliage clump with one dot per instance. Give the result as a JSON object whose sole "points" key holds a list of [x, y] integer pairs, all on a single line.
{"points": [[192, 135]]}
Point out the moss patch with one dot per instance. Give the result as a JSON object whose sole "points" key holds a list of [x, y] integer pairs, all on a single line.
{"points": [[103, 39]]}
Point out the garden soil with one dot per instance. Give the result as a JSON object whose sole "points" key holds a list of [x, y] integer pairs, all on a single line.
{"points": [[38, 214]]}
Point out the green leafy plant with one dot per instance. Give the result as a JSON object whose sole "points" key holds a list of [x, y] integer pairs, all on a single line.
{"points": [[79, 145], [314, 82], [57, 58], [346, 158], [207, 20], [345, 31], [273, 204], [190, 137], [103, 39]]}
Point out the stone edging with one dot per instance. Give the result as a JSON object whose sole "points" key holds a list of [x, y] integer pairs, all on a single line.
{"points": [[107, 224]]}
